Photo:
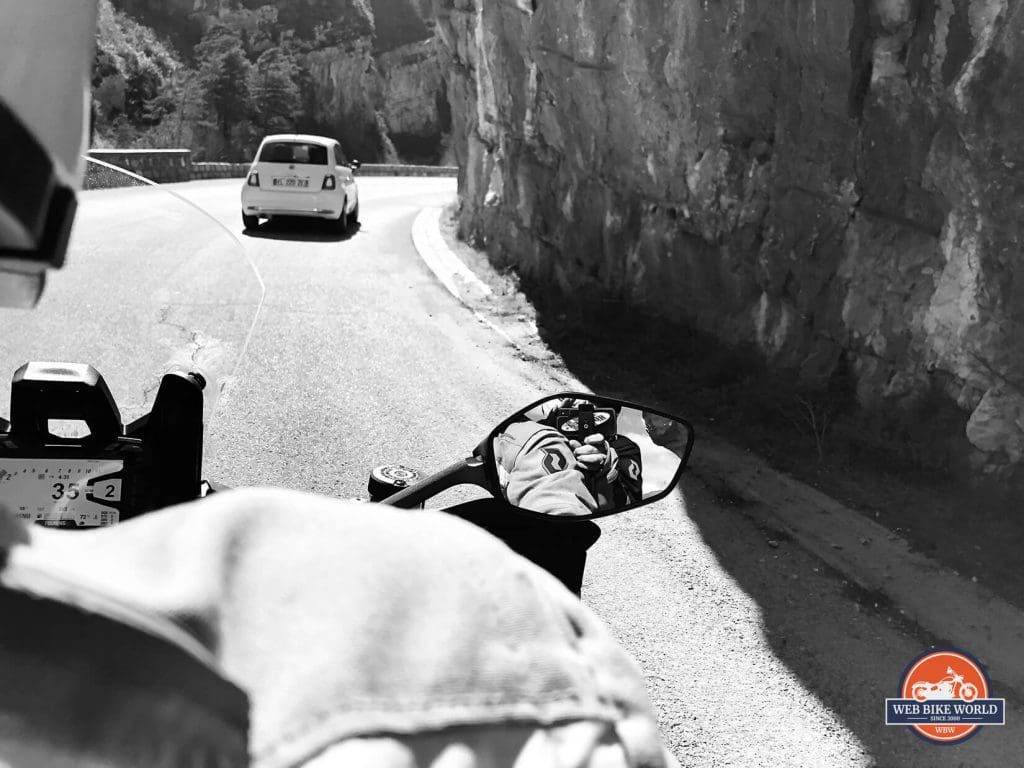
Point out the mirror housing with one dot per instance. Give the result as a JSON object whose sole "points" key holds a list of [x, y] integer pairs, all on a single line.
{"points": [[354, 164], [579, 456]]}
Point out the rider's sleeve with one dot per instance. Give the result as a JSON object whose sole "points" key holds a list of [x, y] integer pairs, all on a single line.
{"points": [[365, 636], [630, 467], [539, 472]]}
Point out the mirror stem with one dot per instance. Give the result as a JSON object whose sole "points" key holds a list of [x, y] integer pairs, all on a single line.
{"points": [[468, 471]]}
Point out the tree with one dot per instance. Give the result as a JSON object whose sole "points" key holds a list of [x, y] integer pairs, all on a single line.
{"points": [[275, 92], [224, 75], [131, 70]]}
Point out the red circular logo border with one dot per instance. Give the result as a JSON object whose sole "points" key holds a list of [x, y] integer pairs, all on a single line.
{"points": [[920, 658]]}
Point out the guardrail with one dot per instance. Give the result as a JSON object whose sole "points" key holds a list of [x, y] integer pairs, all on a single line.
{"points": [[169, 165], [159, 165], [219, 170], [371, 169]]}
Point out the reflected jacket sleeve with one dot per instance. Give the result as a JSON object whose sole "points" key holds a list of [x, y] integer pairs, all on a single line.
{"points": [[538, 471], [630, 469]]}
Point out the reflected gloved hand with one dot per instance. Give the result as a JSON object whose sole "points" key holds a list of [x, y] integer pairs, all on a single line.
{"points": [[595, 455]]}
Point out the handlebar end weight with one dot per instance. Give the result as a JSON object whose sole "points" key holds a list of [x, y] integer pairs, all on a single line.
{"points": [[390, 479]]}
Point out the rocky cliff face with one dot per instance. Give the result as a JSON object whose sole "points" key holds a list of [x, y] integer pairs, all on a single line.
{"points": [[827, 179], [389, 105], [384, 92], [415, 101], [346, 99]]}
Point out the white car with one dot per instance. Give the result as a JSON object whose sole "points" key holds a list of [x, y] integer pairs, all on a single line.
{"points": [[299, 175]]}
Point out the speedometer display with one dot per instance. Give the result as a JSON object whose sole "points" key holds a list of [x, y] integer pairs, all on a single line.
{"points": [[63, 492], [573, 424]]}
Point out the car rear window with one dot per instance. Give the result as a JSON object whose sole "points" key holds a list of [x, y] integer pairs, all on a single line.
{"points": [[293, 152]]}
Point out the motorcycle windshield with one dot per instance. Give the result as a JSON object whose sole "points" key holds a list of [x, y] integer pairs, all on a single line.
{"points": [[151, 284]]}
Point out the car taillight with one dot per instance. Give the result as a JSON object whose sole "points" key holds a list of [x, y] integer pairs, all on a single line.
{"points": [[254, 179], [328, 182]]}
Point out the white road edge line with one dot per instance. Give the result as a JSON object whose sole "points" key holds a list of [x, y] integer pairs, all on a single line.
{"points": [[426, 236], [445, 264]]}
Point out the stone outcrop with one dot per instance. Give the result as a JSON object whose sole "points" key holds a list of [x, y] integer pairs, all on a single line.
{"points": [[383, 92], [346, 99], [828, 180], [415, 101]]}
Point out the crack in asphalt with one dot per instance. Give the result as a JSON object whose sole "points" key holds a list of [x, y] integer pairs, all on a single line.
{"points": [[200, 354]]}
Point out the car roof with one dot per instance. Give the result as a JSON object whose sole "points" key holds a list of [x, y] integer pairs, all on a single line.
{"points": [[303, 137]]}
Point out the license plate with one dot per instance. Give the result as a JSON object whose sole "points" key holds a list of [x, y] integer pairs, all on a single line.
{"points": [[290, 181]]}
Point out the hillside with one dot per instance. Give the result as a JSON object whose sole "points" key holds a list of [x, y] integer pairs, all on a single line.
{"points": [[216, 75]]}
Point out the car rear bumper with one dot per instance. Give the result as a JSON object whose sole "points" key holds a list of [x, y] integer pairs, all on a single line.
{"points": [[258, 202]]}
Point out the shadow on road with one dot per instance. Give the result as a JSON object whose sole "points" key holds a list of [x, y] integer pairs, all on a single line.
{"points": [[889, 466], [847, 646], [305, 230], [841, 642]]}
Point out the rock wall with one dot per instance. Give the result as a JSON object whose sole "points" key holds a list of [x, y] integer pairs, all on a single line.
{"points": [[347, 97], [827, 179], [386, 105], [381, 91], [415, 101]]}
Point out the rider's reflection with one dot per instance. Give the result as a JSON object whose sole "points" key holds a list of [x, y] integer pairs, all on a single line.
{"points": [[538, 471], [548, 464]]}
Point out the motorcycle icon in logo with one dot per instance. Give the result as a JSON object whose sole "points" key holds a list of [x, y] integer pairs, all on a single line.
{"points": [[952, 686]]}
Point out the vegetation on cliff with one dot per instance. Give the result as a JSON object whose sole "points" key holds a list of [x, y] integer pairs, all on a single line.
{"points": [[217, 75], [241, 79]]}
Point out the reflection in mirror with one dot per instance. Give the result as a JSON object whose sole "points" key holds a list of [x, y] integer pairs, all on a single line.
{"points": [[588, 457]]}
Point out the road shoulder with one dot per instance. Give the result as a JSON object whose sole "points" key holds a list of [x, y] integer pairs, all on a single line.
{"points": [[950, 608]]}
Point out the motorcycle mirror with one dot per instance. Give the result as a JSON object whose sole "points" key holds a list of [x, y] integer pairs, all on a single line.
{"points": [[585, 456]]}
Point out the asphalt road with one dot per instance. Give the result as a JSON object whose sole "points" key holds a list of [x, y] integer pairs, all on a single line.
{"points": [[755, 653]]}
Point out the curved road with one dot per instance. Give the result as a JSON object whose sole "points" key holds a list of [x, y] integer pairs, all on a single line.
{"points": [[755, 654]]}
